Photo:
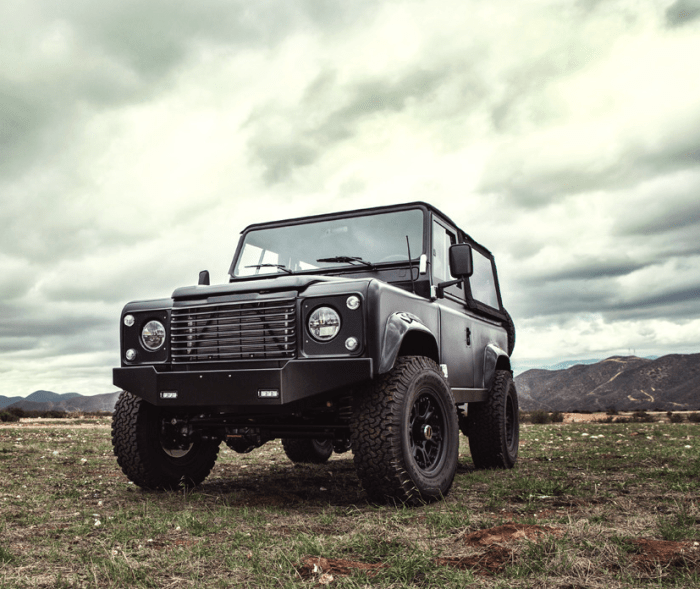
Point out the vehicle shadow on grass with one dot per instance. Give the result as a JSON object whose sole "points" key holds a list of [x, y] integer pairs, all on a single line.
{"points": [[286, 485]]}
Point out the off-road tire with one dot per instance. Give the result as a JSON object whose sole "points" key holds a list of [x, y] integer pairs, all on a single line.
{"points": [[493, 425], [404, 434], [136, 427], [307, 450], [510, 330]]}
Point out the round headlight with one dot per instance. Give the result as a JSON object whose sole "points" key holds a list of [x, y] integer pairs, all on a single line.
{"points": [[153, 335], [324, 324]]}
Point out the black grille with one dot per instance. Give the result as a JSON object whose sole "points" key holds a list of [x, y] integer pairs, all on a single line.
{"points": [[233, 331]]}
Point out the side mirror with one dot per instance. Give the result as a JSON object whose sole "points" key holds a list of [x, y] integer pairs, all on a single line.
{"points": [[461, 267], [203, 278], [461, 263]]}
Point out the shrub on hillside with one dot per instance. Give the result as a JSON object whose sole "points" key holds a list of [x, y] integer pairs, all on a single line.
{"points": [[540, 416], [675, 417], [6, 416], [19, 413], [557, 417], [641, 416], [694, 417]]}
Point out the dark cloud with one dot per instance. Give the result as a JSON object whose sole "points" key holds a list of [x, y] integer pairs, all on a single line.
{"points": [[312, 132], [567, 297], [534, 184], [669, 213], [26, 321], [90, 222], [118, 53], [586, 270], [673, 302], [682, 12], [153, 38]]}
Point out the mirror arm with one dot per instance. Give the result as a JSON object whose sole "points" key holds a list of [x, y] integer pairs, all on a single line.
{"points": [[443, 285]]}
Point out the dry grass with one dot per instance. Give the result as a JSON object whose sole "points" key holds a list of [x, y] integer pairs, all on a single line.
{"points": [[589, 505]]}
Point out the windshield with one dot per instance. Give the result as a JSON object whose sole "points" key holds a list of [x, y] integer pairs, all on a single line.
{"points": [[353, 241]]}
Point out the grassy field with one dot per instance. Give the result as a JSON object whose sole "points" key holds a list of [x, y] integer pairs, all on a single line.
{"points": [[588, 505]]}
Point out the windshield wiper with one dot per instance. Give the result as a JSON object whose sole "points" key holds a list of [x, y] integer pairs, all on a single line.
{"points": [[348, 260], [278, 266]]}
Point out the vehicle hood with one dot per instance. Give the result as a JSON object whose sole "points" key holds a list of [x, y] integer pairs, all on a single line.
{"points": [[281, 283]]}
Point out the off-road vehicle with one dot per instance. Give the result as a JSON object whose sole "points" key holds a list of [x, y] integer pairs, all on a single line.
{"points": [[380, 331]]}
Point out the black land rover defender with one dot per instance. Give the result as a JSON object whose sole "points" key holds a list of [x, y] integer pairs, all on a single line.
{"points": [[379, 330]]}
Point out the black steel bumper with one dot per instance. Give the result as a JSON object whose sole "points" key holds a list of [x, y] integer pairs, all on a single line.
{"points": [[252, 389]]}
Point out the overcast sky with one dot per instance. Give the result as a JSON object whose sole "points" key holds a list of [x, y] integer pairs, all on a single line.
{"points": [[138, 138]]}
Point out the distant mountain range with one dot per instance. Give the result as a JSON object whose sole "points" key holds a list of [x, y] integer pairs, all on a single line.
{"points": [[48, 401], [519, 367], [625, 383]]}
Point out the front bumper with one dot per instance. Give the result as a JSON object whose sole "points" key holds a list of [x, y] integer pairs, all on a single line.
{"points": [[242, 389]]}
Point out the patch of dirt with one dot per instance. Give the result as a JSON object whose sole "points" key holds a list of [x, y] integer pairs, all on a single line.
{"points": [[492, 557], [324, 570], [99, 423], [583, 417], [508, 533], [495, 553], [488, 562], [659, 416], [653, 554]]}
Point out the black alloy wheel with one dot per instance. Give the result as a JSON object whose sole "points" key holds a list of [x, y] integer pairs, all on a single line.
{"points": [[427, 427], [404, 434]]}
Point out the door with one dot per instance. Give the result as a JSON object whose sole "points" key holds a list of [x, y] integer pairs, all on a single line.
{"points": [[456, 350]]}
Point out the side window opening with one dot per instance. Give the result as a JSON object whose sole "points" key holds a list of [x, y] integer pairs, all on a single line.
{"points": [[482, 282], [442, 240]]}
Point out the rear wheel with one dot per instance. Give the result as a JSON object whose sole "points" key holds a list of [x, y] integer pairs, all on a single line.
{"points": [[405, 435], [151, 459], [241, 445], [493, 425], [307, 450]]}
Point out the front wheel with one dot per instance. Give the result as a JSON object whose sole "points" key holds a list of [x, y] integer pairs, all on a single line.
{"points": [[150, 459], [404, 434], [493, 425]]}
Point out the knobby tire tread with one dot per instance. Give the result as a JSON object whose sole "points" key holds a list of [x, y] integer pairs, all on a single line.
{"points": [[377, 453], [144, 462]]}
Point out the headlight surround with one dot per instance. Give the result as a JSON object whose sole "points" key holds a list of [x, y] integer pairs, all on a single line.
{"points": [[153, 335], [324, 324]]}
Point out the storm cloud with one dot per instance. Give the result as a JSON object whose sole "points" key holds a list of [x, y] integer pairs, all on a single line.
{"points": [[138, 139]]}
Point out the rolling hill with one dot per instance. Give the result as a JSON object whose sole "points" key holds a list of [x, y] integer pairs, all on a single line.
{"points": [[625, 383], [668, 383], [69, 402]]}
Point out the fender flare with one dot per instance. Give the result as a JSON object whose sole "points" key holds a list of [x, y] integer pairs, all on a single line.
{"points": [[396, 328], [494, 359]]}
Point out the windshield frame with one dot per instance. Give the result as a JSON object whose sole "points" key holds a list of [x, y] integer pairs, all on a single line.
{"points": [[339, 267]]}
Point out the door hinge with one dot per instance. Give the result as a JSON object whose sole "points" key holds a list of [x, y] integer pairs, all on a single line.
{"points": [[469, 337]]}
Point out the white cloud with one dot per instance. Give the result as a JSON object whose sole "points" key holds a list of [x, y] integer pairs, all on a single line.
{"points": [[138, 140]]}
